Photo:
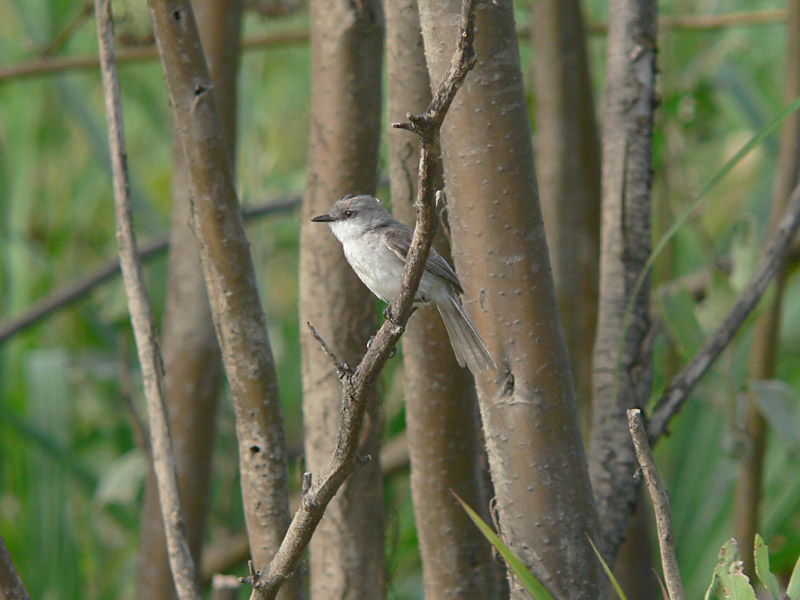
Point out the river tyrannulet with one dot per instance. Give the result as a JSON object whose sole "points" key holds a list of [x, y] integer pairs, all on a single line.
{"points": [[376, 245]]}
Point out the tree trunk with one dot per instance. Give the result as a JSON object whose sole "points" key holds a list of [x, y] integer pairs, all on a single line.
{"points": [[568, 164], [191, 352], [347, 553], [444, 437], [230, 281], [766, 338], [528, 408], [622, 379]]}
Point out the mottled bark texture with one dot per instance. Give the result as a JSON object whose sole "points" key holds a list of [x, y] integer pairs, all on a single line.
{"points": [[528, 407], [766, 338], [230, 279], [191, 352], [568, 165], [442, 423], [347, 553], [622, 372]]}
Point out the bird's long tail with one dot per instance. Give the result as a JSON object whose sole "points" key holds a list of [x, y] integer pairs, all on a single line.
{"points": [[468, 346]]}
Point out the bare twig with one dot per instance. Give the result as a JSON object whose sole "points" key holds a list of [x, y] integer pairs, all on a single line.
{"points": [[46, 65], [660, 497], [683, 383], [63, 36], [58, 64], [143, 322], [342, 369], [77, 289], [11, 586], [357, 385], [721, 21]]}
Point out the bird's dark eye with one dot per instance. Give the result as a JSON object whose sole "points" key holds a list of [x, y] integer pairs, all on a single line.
{"points": [[348, 213]]}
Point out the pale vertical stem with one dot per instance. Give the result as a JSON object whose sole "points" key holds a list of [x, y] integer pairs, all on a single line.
{"points": [[191, 352], [143, 322]]}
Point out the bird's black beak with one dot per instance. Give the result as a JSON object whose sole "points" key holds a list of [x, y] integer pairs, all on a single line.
{"points": [[326, 218]]}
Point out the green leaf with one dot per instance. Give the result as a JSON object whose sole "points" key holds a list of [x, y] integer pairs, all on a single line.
{"points": [[793, 590], [778, 402], [761, 553], [728, 579], [610, 575], [678, 312], [528, 580]]}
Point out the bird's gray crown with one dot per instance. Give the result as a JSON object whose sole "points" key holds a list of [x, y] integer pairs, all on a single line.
{"points": [[363, 208]]}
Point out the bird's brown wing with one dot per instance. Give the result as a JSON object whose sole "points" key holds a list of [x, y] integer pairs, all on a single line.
{"points": [[398, 240]]}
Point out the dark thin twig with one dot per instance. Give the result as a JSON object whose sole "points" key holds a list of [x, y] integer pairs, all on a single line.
{"points": [[660, 497], [344, 459], [709, 22], [58, 64], [80, 287], [143, 322], [66, 33], [342, 369], [46, 65], [683, 383]]}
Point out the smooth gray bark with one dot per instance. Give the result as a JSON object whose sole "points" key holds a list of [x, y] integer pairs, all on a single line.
{"points": [[528, 407]]}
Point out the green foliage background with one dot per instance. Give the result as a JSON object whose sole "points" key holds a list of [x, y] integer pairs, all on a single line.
{"points": [[71, 476]]}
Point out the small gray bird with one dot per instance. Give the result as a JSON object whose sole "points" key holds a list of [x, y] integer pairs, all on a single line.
{"points": [[376, 245]]}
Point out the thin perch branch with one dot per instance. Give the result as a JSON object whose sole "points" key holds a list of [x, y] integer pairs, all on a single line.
{"points": [[682, 384], [143, 322], [357, 385], [660, 497]]}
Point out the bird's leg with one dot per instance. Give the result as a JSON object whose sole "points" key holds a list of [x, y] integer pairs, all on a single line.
{"points": [[387, 314]]}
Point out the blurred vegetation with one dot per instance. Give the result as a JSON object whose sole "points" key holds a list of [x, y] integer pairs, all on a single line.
{"points": [[71, 475]]}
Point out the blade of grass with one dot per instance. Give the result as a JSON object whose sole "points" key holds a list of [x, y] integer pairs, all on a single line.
{"points": [[528, 580], [793, 589], [607, 569]]}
